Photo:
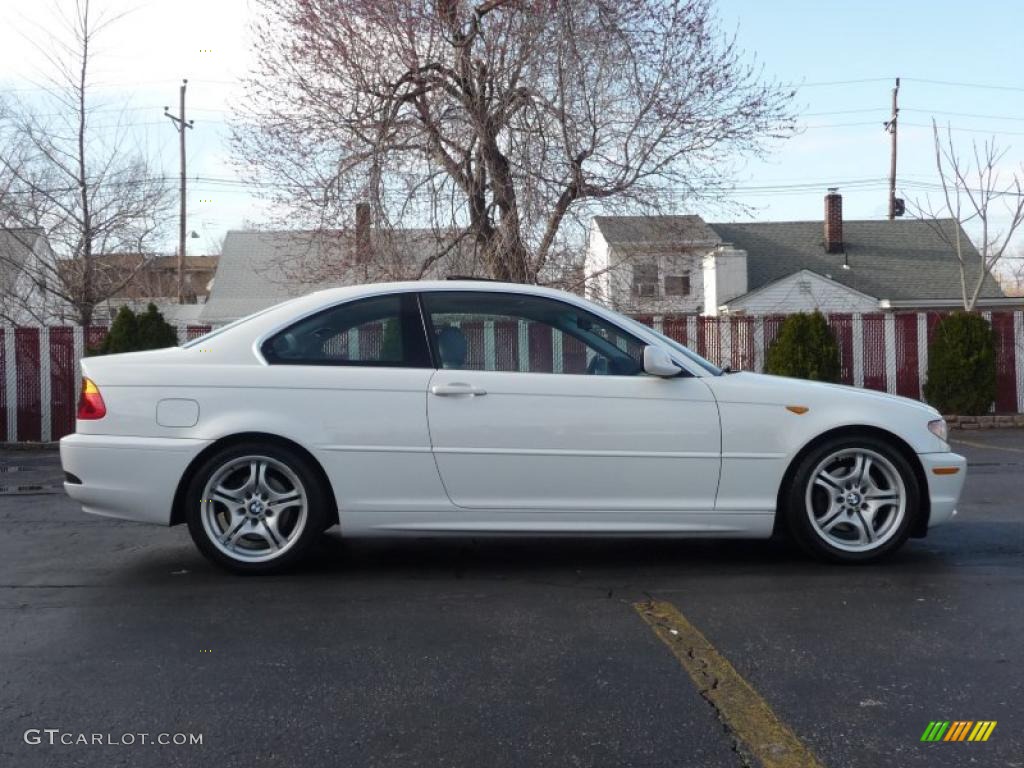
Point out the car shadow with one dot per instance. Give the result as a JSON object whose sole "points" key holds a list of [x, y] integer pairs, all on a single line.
{"points": [[580, 559]]}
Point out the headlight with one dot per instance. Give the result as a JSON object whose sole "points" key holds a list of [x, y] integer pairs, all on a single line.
{"points": [[939, 429]]}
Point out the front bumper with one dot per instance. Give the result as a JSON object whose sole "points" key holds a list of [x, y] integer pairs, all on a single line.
{"points": [[943, 489], [133, 478]]}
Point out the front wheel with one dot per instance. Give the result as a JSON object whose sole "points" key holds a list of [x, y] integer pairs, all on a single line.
{"points": [[852, 499], [255, 508]]}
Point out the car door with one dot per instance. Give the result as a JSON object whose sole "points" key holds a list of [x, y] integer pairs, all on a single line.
{"points": [[349, 383], [540, 405]]}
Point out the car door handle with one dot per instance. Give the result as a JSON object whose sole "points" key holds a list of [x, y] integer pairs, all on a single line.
{"points": [[456, 388]]}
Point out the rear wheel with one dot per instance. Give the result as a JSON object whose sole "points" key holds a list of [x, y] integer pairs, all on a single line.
{"points": [[852, 499], [255, 508]]}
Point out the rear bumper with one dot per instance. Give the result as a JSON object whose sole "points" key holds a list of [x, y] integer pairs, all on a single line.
{"points": [[133, 478], [943, 489]]}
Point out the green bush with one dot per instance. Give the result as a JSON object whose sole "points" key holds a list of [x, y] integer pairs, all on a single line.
{"points": [[962, 365], [131, 332], [154, 331], [804, 349]]}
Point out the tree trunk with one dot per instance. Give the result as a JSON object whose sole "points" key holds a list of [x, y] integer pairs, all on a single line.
{"points": [[85, 313]]}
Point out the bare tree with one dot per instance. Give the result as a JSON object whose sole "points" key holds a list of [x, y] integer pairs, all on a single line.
{"points": [[1011, 276], [500, 124], [975, 193], [86, 187]]}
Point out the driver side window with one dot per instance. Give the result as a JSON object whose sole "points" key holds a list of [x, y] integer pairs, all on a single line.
{"points": [[491, 331]]}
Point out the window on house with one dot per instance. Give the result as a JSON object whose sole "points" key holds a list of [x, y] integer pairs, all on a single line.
{"points": [[645, 280], [677, 285], [804, 286]]}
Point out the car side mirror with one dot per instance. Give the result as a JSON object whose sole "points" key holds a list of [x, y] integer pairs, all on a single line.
{"points": [[658, 363]]}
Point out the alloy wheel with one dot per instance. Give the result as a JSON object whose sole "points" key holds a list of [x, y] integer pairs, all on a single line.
{"points": [[856, 500], [254, 508]]}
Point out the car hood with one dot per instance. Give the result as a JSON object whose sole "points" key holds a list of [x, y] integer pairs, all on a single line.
{"points": [[762, 388]]}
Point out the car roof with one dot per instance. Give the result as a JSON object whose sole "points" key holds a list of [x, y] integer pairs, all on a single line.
{"points": [[369, 289], [313, 302]]}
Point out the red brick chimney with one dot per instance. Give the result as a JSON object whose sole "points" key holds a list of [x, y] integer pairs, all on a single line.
{"points": [[362, 233], [833, 221]]}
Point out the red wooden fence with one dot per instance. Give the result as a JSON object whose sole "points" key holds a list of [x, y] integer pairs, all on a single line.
{"points": [[39, 371]]}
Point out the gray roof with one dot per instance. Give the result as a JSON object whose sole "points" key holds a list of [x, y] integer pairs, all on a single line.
{"points": [[258, 269], [251, 275], [654, 230], [905, 259]]}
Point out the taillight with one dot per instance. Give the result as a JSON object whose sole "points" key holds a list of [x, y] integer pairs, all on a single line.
{"points": [[90, 403]]}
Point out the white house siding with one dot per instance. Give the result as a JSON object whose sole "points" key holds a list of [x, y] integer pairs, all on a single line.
{"points": [[35, 304], [620, 293], [725, 277], [803, 291]]}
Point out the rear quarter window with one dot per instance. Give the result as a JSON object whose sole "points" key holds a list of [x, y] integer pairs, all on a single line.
{"points": [[378, 331]]}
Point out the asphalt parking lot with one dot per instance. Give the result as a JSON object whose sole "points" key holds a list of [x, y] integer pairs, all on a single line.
{"points": [[507, 652]]}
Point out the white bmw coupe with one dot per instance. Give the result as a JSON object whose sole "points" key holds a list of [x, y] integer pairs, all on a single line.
{"points": [[478, 408]]}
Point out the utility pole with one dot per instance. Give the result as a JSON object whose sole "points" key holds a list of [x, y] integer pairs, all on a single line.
{"points": [[180, 125], [895, 206]]}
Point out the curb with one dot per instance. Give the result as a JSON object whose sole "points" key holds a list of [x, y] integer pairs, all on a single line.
{"points": [[1006, 421]]}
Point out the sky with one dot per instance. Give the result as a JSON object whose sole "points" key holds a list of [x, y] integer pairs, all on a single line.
{"points": [[957, 62]]}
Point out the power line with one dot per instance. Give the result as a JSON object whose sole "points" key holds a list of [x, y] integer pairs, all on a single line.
{"points": [[964, 114], [864, 110], [161, 81], [921, 110], [838, 82], [104, 110], [844, 112], [915, 125], [44, 88], [956, 84], [815, 84], [970, 130], [843, 125], [928, 81], [234, 184], [227, 184]]}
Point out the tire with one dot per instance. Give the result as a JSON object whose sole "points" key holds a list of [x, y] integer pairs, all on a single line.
{"points": [[255, 508], [836, 512]]}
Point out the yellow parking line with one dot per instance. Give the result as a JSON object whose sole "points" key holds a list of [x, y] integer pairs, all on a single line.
{"points": [[740, 707], [989, 446]]}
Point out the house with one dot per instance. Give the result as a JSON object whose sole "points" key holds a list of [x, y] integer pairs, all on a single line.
{"points": [[260, 268], [680, 264], [33, 280], [136, 279], [26, 261]]}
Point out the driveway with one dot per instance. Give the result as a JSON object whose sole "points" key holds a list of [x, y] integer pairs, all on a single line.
{"points": [[509, 652]]}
